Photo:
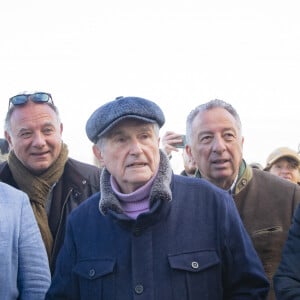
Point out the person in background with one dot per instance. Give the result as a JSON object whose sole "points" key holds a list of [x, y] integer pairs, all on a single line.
{"points": [[24, 265], [170, 142], [287, 276], [265, 202], [4, 147], [256, 165], [38, 164], [285, 163], [148, 233]]}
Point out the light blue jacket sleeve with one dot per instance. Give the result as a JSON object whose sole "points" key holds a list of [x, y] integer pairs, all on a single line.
{"points": [[25, 270]]}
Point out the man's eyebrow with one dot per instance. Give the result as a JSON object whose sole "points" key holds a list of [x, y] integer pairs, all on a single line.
{"points": [[115, 132]]}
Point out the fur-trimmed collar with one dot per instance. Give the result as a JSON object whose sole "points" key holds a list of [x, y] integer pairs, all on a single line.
{"points": [[160, 188]]}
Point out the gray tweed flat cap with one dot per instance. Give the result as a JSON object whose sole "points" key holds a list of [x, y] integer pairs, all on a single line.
{"points": [[109, 114]]}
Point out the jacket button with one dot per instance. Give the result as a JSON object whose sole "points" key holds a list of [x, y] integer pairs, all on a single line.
{"points": [[137, 232], [139, 289], [244, 181], [92, 273], [195, 265]]}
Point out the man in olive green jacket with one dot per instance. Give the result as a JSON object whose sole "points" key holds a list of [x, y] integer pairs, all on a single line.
{"points": [[266, 203]]}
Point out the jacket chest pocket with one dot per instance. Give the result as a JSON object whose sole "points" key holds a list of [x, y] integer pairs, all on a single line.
{"points": [[197, 275], [96, 278]]}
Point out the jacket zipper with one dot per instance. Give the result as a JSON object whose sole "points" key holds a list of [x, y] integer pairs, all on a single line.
{"points": [[60, 222]]}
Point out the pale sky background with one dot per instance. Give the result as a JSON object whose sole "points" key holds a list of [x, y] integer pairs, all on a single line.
{"points": [[176, 53]]}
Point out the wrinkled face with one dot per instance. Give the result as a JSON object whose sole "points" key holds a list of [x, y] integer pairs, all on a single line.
{"points": [[286, 169], [216, 146], [130, 152], [35, 136]]}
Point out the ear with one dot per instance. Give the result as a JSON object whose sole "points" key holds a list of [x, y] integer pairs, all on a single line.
{"points": [[188, 151], [242, 142], [98, 154]]}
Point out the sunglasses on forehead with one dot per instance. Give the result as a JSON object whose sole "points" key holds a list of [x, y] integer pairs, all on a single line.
{"points": [[36, 97]]}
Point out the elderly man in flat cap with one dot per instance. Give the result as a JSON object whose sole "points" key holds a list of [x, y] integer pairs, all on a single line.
{"points": [[150, 234]]}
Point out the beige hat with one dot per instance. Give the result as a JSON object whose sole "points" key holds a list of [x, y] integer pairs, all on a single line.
{"points": [[280, 153]]}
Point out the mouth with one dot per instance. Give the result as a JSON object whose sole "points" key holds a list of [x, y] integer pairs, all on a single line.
{"points": [[40, 154], [141, 164], [220, 161]]}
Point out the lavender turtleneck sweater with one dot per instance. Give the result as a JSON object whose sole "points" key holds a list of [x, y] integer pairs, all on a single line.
{"points": [[136, 202]]}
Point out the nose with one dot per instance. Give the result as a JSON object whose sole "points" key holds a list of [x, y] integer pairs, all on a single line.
{"points": [[218, 145], [135, 147], [38, 140]]}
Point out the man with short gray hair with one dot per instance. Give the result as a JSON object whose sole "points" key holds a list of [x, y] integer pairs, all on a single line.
{"points": [[265, 202], [39, 164]]}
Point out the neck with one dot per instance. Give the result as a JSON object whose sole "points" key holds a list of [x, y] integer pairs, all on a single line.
{"points": [[223, 184]]}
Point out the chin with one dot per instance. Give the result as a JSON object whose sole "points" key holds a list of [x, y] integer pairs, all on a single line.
{"points": [[222, 174], [40, 169], [141, 179]]}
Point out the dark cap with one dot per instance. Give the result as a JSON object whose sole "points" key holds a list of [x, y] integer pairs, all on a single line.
{"points": [[109, 114]]}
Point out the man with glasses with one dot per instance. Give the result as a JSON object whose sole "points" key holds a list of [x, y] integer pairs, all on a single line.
{"points": [[38, 164]]}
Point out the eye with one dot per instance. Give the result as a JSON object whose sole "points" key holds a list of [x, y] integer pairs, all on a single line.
{"points": [[229, 136], [120, 139], [291, 167], [48, 130], [25, 134], [145, 136], [206, 139]]}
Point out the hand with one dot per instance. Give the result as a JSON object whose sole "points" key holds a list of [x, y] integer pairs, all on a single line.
{"points": [[169, 140]]}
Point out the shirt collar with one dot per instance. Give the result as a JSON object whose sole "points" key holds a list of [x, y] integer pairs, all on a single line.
{"points": [[231, 189]]}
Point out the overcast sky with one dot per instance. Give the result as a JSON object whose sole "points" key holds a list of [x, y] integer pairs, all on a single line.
{"points": [[176, 53]]}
